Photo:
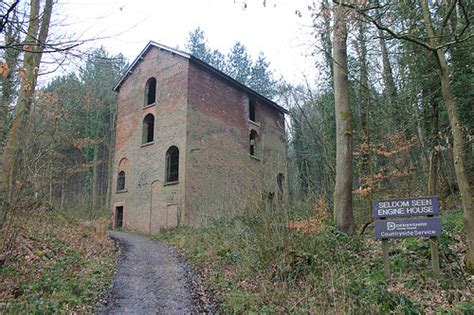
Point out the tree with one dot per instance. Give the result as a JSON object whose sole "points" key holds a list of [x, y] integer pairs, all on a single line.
{"points": [[239, 64], [98, 77], [196, 45], [8, 82], [37, 34], [436, 38], [8, 79], [217, 60], [261, 78], [343, 187], [90, 102]]}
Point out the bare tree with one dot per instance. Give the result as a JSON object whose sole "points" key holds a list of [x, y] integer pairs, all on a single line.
{"points": [[37, 33], [343, 188], [437, 39]]}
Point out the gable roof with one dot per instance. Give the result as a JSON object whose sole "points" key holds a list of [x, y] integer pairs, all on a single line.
{"points": [[199, 62]]}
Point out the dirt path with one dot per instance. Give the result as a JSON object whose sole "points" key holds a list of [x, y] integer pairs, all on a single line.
{"points": [[149, 280]]}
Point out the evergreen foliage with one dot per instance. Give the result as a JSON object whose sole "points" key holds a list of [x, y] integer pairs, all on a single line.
{"points": [[238, 64]]}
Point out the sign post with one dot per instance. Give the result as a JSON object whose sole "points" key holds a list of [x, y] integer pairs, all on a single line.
{"points": [[390, 225], [434, 256]]}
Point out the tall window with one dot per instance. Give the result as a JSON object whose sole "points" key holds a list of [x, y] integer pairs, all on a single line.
{"points": [[252, 110], [121, 181], [150, 91], [253, 143], [172, 164], [148, 128]]}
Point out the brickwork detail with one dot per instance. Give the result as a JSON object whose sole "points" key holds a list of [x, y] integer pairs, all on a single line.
{"points": [[207, 118]]}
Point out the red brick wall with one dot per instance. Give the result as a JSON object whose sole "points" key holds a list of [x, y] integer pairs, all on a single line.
{"points": [[145, 174], [221, 176], [206, 117]]}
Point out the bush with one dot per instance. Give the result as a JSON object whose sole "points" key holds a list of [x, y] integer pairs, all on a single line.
{"points": [[258, 264]]}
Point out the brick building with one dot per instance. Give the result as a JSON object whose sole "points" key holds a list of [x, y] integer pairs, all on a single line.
{"points": [[192, 143]]}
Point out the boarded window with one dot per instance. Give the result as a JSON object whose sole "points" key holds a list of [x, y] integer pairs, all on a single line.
{"points": [[148, 128], [253, 143], [121, 181], [150, 91], [252, 110], [172, 164]]}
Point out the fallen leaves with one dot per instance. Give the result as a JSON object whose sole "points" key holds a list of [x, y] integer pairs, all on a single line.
{"points": [[59, 249], [315, 224]]}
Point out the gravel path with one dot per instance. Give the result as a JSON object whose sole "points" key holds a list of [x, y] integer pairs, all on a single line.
{"points": [[150, 279]]}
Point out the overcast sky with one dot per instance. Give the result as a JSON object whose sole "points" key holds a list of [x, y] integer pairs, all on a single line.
{"points": [[275, 30]]}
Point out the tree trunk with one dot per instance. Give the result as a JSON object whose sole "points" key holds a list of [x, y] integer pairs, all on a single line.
{"points": [[389, 82], [8, 87], [459, 159], [343, 188], [366, 168], [325, 33], [458, 141], [94, 179], [434, 156], [32, 58], [111, 151], [364, 93]]}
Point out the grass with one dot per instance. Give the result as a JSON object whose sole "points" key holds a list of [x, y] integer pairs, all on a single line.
{"points": [[257, 264], [58, 265]]}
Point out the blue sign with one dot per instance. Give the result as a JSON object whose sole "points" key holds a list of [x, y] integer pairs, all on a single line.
{"points": [[426, 227], [419, 206]]}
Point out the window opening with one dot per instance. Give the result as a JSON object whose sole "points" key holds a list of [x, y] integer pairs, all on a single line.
{"points": [[252, 110], [150, 91], [121, 181], [148, 128], [172, 164], [253, 143]]}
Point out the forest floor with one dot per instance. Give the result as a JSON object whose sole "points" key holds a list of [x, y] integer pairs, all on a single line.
{"points": [[291, 261], [54, 263], [151, 279]]}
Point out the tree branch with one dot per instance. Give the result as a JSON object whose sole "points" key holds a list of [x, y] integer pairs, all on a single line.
{"points": [[448, 15], [4, 18], [386, 29]]}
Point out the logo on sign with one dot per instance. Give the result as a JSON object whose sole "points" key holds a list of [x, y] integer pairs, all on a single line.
{"points": [[391, 226]]}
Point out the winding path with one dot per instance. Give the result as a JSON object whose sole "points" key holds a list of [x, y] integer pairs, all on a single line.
{"points": [[149, 279]]}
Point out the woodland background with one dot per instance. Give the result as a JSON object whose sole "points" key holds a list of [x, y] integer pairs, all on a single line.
{"points": [[385, 58]]}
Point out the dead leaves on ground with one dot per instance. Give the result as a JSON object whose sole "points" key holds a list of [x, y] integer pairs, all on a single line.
{"points": [[43, 241]]}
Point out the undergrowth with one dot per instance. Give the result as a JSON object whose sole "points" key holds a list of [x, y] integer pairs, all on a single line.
{"points": [[256, 263], [58, 264]]}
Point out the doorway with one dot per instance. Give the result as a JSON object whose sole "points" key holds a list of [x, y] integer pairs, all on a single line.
{"points": [[118, 217]]}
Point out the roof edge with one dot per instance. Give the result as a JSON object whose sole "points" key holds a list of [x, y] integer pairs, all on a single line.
{"points": [[240, 85], [201, 63], [139, 57]]}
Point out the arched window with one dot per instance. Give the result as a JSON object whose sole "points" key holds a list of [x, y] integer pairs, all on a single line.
{"points": [[172, 164], [121, 181], [150, 91], [253, 143], [148, 128]]}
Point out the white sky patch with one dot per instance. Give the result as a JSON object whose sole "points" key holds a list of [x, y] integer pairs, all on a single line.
{"points": [[277, 31]]}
